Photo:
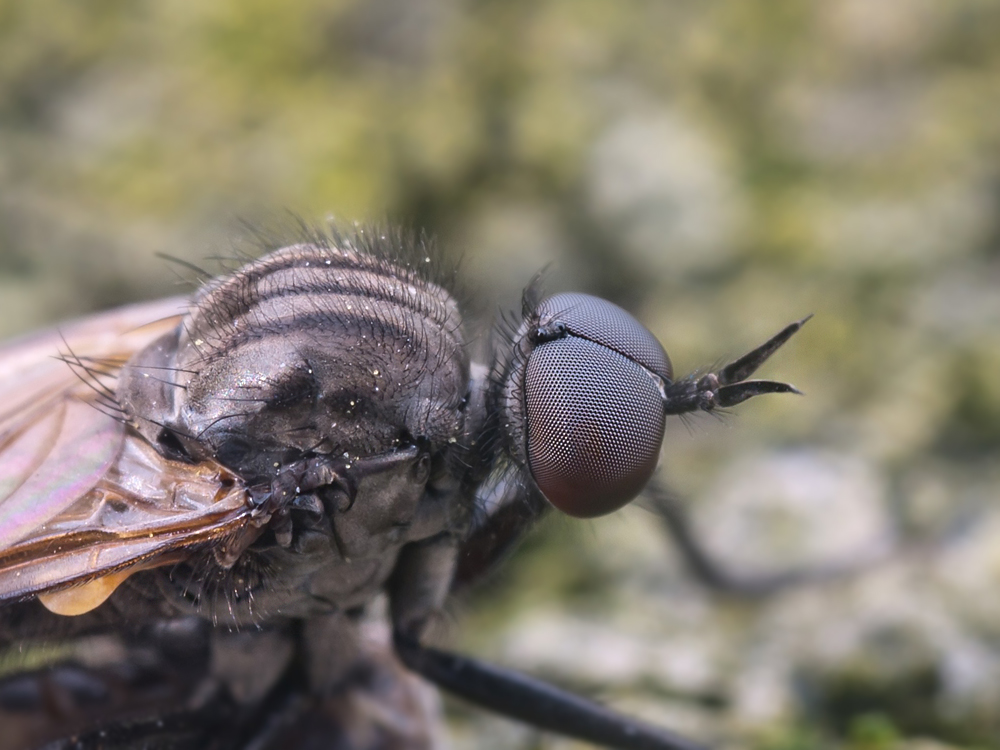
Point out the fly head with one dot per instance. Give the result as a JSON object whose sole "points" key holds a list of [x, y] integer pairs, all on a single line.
{"points": [[584, 393]]}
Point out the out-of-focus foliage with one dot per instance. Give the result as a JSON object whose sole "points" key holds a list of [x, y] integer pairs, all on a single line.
{"points": [[719, 168]]}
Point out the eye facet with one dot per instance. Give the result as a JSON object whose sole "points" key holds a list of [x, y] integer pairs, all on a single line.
{"points": [[592, 391], [595, 319], [594, 426]]}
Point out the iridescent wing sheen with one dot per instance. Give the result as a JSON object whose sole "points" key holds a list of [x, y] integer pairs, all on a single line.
{"points": [[82, 498]]}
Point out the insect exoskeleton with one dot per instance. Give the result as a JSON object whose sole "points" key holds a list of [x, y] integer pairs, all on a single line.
{"points": [[306, 436]]}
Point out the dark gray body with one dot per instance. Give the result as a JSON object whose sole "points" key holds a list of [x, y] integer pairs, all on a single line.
{"points": [[314, 356], [381, 470], [320, 352]]}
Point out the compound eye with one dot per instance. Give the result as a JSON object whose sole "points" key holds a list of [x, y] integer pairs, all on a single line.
{"points": [[594, 424], [587, 317]]}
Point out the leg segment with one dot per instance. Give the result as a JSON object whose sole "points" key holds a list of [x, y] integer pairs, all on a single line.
{"points": [[534, 702], [716, 576]]}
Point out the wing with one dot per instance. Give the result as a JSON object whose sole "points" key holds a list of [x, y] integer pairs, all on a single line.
{"points": [[84, 501]]}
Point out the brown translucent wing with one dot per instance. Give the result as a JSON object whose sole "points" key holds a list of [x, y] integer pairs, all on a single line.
{"points": [[82, 497]]}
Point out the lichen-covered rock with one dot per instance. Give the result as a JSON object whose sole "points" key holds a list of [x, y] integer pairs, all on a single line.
{"points": [[719, 169]]}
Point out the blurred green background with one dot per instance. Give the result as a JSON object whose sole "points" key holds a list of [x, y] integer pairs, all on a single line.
{"points": [[717, 167]]}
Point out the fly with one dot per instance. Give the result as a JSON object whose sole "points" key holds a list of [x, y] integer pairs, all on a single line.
{"points": [[230, 484]]}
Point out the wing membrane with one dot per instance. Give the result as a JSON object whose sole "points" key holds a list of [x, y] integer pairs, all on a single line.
{"points": [[33, 375], [81, 495], [77, 445], [22, 454]]}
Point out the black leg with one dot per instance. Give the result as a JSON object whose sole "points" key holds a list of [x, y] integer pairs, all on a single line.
{"points": [[534, 702], [715, 576], [513, 510]]}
